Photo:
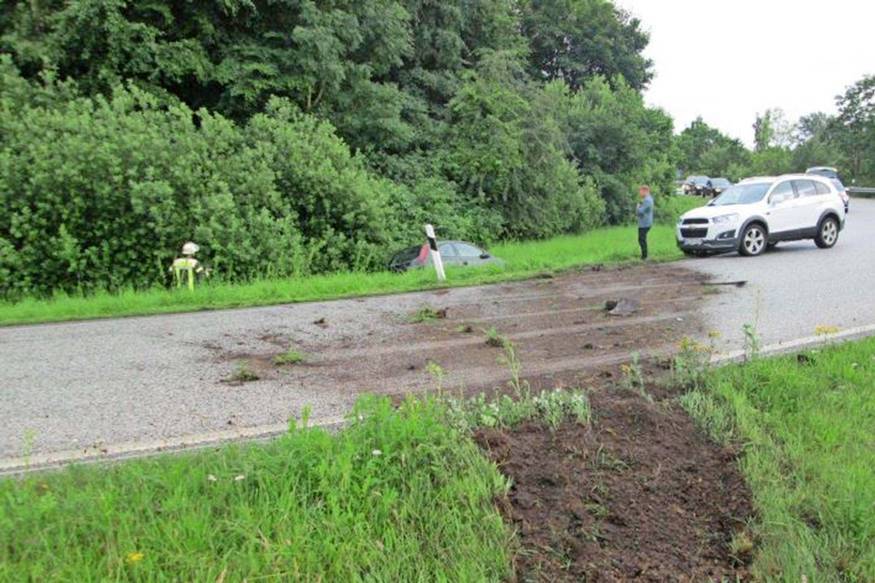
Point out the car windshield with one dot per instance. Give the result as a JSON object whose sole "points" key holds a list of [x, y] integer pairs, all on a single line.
{"points": [[721, 182], [742, 194], [698, 179]]}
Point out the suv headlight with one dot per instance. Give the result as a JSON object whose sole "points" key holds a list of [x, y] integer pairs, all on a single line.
{"points": [[726, 219]]}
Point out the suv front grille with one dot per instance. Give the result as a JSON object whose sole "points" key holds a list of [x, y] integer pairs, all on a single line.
{"points": [[694, 233], [695, 221]]}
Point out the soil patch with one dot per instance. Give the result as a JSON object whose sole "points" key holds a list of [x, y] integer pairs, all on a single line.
{"points": [[641, 494]]}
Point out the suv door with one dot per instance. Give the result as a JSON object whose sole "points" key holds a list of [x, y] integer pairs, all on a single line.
{"points": [[782, 208], [808, 202]]}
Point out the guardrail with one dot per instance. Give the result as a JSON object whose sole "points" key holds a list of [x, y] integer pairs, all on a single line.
{"points": [[860, 190]]}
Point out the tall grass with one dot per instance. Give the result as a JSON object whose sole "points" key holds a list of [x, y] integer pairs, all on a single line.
{"points": [[397, 496], [523, 259], [807, 426]]}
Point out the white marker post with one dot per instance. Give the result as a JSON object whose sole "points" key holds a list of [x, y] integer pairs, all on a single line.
{"points": [[435, 253]]}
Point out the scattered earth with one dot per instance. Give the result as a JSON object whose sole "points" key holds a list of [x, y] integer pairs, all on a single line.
{"points": [[641, 494], [169, 377]]}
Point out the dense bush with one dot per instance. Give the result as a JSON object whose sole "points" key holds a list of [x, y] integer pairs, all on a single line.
{"points": [[102, 192], [292, 137]]}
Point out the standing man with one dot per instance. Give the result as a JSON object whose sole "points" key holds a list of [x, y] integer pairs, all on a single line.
{"points": [[645, 218]]}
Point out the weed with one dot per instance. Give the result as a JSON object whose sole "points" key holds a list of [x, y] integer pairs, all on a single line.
{"points": [[289, 357], [426, 314], [825, 330], [752, 343], [494, 338], [243, 373], [633, 377], [465, 329], [691, 364]]}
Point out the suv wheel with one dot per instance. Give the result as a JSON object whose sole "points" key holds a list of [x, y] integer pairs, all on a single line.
{"points": [[828, 233], [753, 240]]}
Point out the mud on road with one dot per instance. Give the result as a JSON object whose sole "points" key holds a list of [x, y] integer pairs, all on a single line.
{"points": [[124, 385], [559, 326]]}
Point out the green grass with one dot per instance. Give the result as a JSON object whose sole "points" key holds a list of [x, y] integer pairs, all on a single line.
{"points": [[289, 357], [399, 495], [523, 259], [807, 427]]}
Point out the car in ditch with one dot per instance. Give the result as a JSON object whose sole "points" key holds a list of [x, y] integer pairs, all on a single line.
{"points": [[759, 213], [452, 253]]}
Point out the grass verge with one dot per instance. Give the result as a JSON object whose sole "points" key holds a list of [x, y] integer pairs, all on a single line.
{"points": [[523, 260], [396, 496], [400, 494], [806, 425]]}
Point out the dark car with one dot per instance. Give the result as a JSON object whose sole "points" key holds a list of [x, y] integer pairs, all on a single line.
{"points": [[825, 171], [699, 185], [452, 253], [833, 175], [718, 185]]}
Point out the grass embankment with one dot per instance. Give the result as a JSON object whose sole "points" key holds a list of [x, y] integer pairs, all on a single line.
{"points": [[807, 427], [398, 495], [523, 259]]}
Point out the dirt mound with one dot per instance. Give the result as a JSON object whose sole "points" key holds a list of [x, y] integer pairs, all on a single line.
{"points": [[639, 495]]}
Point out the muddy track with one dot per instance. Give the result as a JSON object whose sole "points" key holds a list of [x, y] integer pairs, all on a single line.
{"points": [[559, 327], [144, 380]]}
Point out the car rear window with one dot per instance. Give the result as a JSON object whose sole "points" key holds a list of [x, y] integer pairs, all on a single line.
{"points": [[821, 188], [805, 187]]}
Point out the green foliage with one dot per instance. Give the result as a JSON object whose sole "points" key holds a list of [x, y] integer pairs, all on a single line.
{"points": [[293, 137], [804, 426], [102, 192], [398, 495], [575, 40], [705, 150]]}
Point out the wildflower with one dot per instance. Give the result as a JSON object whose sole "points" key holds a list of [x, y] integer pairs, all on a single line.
{"points": [[376, 453], [212, 478], [239, 478], [824, 330], [134, 557]]}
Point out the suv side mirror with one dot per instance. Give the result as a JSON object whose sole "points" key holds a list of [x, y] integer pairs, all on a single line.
{"points": [[485, 255]]}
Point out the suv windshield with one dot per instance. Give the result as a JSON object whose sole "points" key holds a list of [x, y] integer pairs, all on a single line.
{"points": [[697, 180], [721, 182], [742, 194]]}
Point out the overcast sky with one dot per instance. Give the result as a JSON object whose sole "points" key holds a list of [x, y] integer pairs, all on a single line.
{"points": [[727, 60]]}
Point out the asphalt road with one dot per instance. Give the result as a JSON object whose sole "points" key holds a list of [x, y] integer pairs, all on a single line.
{"points": [[797, 287], [138, 384]]}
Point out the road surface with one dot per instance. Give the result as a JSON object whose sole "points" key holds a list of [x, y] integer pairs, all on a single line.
{"points": [[139, 384], [797, 287]]}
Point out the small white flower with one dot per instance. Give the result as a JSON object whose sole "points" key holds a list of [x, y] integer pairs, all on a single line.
{"points": [[376, 452], [239, 478], [212, 478]]}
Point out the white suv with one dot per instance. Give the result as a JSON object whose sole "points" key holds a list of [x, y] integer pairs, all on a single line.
{"points": [[758, 213]]}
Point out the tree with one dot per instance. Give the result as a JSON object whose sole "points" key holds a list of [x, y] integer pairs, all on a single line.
{"points": [[855, 129], [576, 40], [706, 150]]}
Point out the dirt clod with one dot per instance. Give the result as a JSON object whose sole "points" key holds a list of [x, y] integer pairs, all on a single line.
{"points": [[622, 307]]}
